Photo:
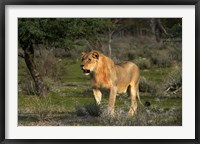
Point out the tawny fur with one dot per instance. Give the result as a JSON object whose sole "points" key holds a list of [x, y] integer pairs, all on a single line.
{"points": [[117, 78]]}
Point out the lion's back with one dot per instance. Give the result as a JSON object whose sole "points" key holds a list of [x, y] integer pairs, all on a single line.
{"points": [[127, 67], [127, 72]]}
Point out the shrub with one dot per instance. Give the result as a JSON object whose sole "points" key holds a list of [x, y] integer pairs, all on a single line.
{"points": [[161, 58], [173, 83], [143, 63], [41, 106], [60, 53], [27, 87], [91, 109], [80, 110], [132, 54], [147, 85], [121, 118], [176, 54], [48, 64]]}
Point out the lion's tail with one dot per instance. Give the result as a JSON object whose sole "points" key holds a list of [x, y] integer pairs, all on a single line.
{"points": [[146, 104]]}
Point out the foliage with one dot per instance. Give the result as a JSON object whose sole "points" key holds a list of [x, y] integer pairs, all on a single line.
{"points": [[147, 86], [62, 32], [91, 109], [174, 27], [80, 110], [143, 63], [59, 32], [173, 83]]}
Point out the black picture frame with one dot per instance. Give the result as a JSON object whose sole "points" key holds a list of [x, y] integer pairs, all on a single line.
{"points": [[3, 4]]}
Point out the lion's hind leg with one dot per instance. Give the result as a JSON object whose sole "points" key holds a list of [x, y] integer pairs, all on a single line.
{"points": [[133, 91]]}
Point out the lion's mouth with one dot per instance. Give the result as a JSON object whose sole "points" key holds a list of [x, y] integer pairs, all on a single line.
{"points": [[86, 72]]}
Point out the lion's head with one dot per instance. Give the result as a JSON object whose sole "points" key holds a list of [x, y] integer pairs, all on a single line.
{"points": [[89, 62]]}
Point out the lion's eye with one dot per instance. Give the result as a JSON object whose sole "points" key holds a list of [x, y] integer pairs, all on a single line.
{"points": [[89, 60]]}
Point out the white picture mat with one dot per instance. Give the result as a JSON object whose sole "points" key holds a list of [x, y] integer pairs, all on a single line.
{"points": [[186, 131]]}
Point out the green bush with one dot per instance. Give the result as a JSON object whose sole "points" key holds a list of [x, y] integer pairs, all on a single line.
{"points": [[173, 82], [161, 58], [42, 107], [93, 109], [143, 63], [121, 118], [80, 110], [27, 87], [147, 86], [89, 109], [132, 54]]}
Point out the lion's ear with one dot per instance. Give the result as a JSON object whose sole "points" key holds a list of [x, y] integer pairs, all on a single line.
{"points": [[95, 55], [83, 53]]}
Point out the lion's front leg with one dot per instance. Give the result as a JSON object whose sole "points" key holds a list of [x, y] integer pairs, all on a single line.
{"points": [[111, 103], [97, 95]]}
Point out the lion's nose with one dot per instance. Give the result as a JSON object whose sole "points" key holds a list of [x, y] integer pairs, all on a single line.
{"points": [[82, 66]]}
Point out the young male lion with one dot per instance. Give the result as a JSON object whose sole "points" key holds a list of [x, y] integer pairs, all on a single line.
{"points": [[117, 78]]}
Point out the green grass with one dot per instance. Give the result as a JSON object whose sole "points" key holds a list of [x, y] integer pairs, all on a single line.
{"points": [[73, 72], [53, 103], [35, 110], [157, 74]]}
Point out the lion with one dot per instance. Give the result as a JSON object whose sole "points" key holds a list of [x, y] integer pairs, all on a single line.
{"points": [[117, 78]]}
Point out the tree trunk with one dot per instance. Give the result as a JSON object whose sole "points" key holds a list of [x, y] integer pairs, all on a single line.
{"points": [[41, 89], [109, 42], [157, 28]]}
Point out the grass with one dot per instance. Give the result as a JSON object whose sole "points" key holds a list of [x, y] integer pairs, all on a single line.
{"points": [[157, 74], [73, 72], [60, 108], [46, 111], [53, 103]]}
